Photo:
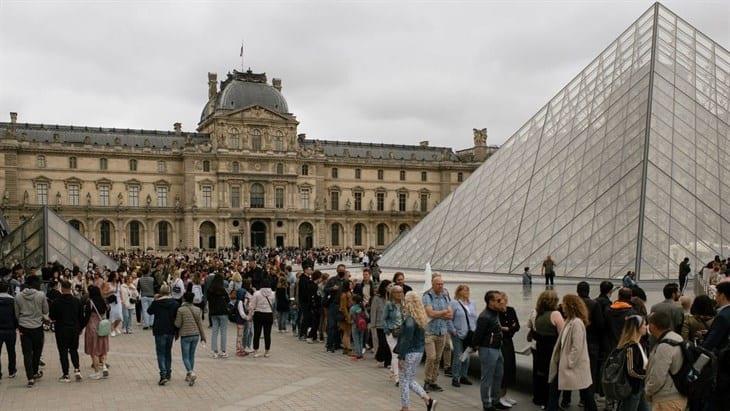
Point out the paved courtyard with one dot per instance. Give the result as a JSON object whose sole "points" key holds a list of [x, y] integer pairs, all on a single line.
{"points": [[298, 376]]}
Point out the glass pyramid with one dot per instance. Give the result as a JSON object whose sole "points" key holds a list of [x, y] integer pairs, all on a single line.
{"points": [[46, 237], [624, 169]]}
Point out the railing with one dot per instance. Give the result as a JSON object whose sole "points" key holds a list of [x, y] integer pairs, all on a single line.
{"points": [[702, 286]]}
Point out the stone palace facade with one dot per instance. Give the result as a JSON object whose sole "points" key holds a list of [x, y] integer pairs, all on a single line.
{"points": [[245, 178]]}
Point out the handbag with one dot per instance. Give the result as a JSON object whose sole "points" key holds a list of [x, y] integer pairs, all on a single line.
{"points": [[467, 340], [104, 328]]}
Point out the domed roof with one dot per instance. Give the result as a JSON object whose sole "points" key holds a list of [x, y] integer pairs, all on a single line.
{"points": [[245, 89]]}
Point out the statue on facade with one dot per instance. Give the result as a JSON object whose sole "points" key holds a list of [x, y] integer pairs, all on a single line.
{"points": [[370, 205], [88, 199], [177, 202], [26, 196], [348, 205], [317, 205], [392, 205], [415, 205], [148, 200], [120, 200], [480, 137], [58, 198]]}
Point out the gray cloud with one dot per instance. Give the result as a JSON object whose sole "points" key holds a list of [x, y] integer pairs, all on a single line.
{"points": [[368, 71]]}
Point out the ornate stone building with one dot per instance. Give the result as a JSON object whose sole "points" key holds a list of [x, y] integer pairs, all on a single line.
{"points": [[244, 178]]}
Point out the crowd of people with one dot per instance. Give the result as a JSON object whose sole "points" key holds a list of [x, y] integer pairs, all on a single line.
{"points": [[578, 343]]}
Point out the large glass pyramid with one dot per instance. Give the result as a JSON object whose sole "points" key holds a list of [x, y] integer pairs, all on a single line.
{"points": [[46, 237], [626, 168]]}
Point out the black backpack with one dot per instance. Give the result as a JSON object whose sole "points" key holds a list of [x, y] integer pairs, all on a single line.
{"points": [[614, 377], [691, 383]]}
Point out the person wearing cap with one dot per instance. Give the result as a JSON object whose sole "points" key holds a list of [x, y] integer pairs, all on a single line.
{"points": [[164, 308], [31, 307]]}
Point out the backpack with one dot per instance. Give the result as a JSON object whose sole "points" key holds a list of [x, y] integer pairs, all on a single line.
{"points": [[361, 321], [691, 383], [614, 377], [197, 294]]}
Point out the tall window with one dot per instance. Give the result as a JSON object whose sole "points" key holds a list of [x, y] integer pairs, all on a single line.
{"points": [[380, 201], [358, 234], [381, 234], [134, 234], [460, 176], [73, 194], [236, 167], [305, 170], [401, 202], [134, 196], [235, 196], [358, 173], [424, 202], [207, 196], [358, 201], [105, 230], [206, 166], [380, 174], [256, 139], [257, 196], [403, 175], [304, 196], [132, 165], [41, 193], [72, 162], [103, 164], [279, 168], [424, 176], [104, 195], [161, 167], [235, 142], [335, 234], [279, 197], [161, 196], [40, 161], [279, 142], [334, 172], [162, 232], [335, 200]]}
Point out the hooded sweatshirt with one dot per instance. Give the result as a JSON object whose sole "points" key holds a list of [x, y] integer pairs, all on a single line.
{"points": [[66, 312], [615, 316], [262, 300], [30, 308]]}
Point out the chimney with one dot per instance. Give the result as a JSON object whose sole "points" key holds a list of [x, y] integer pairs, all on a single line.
{"points": [[13, 117], [212, 85], [423, 143], [301, 137], [276, 82], [178, 128]]}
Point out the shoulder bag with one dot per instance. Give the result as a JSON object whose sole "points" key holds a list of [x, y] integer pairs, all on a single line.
{"points": [[467, 340], [104, 328]]}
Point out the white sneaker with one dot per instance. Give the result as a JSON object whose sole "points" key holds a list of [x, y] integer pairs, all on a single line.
{"points": [[192, 378], [256, 354], [310, 341], [214, 355], [223, 355], [505, 403], [267, 355], [512, 401], [95, 376], [114, 334]]}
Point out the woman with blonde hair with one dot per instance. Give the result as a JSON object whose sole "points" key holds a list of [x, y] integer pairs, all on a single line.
{"points": [[411, 342], [544, 325], [570, 367], [461, 327], [636, 361]]}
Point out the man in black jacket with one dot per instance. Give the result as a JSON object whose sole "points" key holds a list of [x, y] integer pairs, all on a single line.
{"points": [[67, 315], [164, 309], [332, 291], [8, 325], [488, 340], [304, 296], [718, 340], [594, 331]]}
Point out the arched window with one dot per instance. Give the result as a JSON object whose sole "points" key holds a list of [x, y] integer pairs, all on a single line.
{"points": [[134, 234], [163, 230], [206, 165], [75, 224], [257, 196], [279, 168], [40, 162], [382, 232], [335, 234], [132, 165], [359, 231], [236, 167], [305, 170], [105, 231], [256, 139]]}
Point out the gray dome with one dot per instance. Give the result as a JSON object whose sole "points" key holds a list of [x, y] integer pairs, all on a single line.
{"points": [[239, 94]]}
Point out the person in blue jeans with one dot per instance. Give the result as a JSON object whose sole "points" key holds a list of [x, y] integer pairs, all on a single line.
{"points": [[358, 334], [218, 299], [188, 322], [487, 339], [332, 290], [164, 308], [463, 323]]}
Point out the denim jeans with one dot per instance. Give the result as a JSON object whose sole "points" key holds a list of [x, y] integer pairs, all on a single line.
{"points": [[490, 386], [283, 320], [147, 319], [187, 346], [163, 347], [357, 338], [294, 320], [333, 331], [635, 402], [220, 326], [247, 334], [459, 369], [127, 314]]}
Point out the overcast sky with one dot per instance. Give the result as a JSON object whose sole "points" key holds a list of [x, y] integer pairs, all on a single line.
{"points": [[376, 71]]}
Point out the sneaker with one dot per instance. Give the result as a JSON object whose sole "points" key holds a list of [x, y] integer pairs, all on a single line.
{"points": [[431, 406], [510, 401], [223, 355], [500, 406], [310, 341], [145, 328], [41, 364], [267, 355], [77, 375], [214, 355], [13, 375], [256, 354], [192, 379], [447, 371], [95, 376], [162, 381], [455, 383], [64, 378], [105, 371], [30, 383], [465, 381], [187, 377], [504, 403], [113, 334], [38, 375], [436, 388]]}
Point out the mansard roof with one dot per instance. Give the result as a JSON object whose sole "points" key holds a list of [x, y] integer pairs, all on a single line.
{"points": [[352, 149]]}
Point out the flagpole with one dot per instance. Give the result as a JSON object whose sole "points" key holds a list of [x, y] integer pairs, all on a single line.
{"points": [[242, 56]]}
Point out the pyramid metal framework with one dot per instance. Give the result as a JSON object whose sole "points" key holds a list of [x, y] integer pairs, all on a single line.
{"points": [[626, 168]]}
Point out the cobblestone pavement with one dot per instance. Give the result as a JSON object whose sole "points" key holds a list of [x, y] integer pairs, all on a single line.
{"points": [[297, 376]]}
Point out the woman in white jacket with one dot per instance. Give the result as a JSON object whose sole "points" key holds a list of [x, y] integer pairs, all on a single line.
{"points": [[262, 313], [129, 300]]}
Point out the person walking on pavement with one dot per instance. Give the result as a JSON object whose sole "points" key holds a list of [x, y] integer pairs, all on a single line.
{"points": [[8, 325], [67, 316], [31, 307]]}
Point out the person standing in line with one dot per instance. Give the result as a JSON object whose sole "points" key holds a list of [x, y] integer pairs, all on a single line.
{"points": [[544, 330], [282, 303], [510, 326], [345, 321], [146, 285], [488, 341], [410, 351], [548, 270], [461, 327], [262, 315], [671, 306], [129, 301], [684, 270], [218, 299], [332, 291], [96, 346], [570, 366], [359, 319], [665, 360], [241, 314], [189, 323], [8, 325], [718, 341], [31, 307], [594, 330], [377, 311], [304, 288], [392, 322], [436, 303], [314, 308], [636, 362], [164, 308], [67, 315], [399, 279]]}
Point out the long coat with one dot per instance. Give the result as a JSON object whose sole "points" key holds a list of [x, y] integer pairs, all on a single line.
{"points": [[570, 362]]}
